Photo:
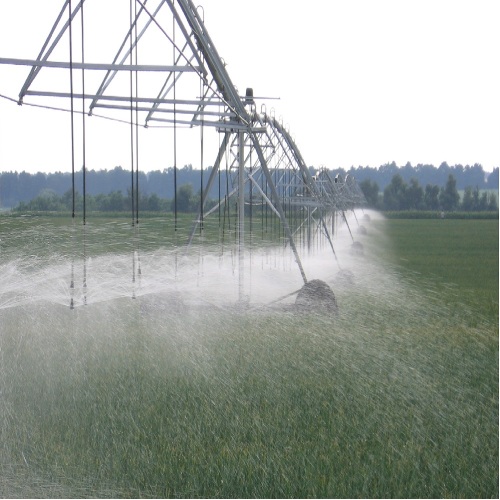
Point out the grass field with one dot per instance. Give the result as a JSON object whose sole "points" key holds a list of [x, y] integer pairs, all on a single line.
{"points": [[397, 396], [459, 252]]}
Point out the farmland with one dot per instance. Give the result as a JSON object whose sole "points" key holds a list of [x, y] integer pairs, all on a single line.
{"points": [[396, 396]]}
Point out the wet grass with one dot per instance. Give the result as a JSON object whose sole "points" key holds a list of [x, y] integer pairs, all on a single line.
{"points": [[46, 236], [458, 253], [397, 396]]}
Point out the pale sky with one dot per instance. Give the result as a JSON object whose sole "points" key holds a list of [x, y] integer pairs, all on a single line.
{"points": [[357, 82]]}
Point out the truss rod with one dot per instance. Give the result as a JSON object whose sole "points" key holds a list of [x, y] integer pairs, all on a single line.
{"points": [[194, 102], [166, 87], [182, 28], [164, 110], [35, 70], [98, 66], [222, 126], [110, 75]]}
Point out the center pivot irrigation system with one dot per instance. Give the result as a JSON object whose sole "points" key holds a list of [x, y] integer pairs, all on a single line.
{"points": [[164, 71]]}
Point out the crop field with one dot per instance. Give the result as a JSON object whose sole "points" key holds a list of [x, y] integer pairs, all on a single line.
{"points": [[394, 396]]}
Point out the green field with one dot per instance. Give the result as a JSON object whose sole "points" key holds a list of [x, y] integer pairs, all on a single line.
{"points": [[396, 396], [463, 253]]}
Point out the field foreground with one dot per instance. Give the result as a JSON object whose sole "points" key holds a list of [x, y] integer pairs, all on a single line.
{"points": [[396, 396]]}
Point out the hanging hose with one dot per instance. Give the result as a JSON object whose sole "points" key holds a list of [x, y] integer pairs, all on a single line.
{"points": [[202, 128], [72, 114], [72, 111], [136, 120], [250, 196], [175, 129], [131, 74], [83, 121]]}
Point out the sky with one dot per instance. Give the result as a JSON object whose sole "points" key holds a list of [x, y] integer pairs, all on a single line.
{"points": [[356, 82]]}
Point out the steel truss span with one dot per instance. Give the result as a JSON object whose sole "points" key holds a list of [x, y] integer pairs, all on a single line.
{"points": [[163, 70]]}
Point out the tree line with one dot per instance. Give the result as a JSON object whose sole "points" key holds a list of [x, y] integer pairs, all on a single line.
{"points": [[399, 195], [116, 201], [18, 187]]}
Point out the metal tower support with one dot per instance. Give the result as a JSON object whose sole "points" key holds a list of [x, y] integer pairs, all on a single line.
{"points": [[265, 164]]}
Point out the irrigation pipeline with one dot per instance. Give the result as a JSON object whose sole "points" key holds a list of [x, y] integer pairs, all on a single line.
{"points": [[263, 165]]}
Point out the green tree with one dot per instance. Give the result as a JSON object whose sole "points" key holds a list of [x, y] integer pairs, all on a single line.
{"points": [[475, 199], [492, 202], [448, 196], [492, 181], [47, 201], [114, 202], [153, 203], [431, 197], [370, 190], [483, 202], [468, 200], [184, 198], [414, 195], [395, 194]]}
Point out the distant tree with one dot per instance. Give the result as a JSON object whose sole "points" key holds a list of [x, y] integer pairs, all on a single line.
{"points": [[474, 176], [444, 170], [16, 187], [118, 179], [492, 202], [153, 203], [407, 172], [27, 190], [492, 180], [448, 196], [414, 195], [426, 174], [9, 195], [360, 173], [385, 173], [158, 182], [468, 200], [395, 194], [47, 201], [60, 182], [431, 197], [370, 190], [114, 202], [475, 199], [483, 202], [184, 198]]}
